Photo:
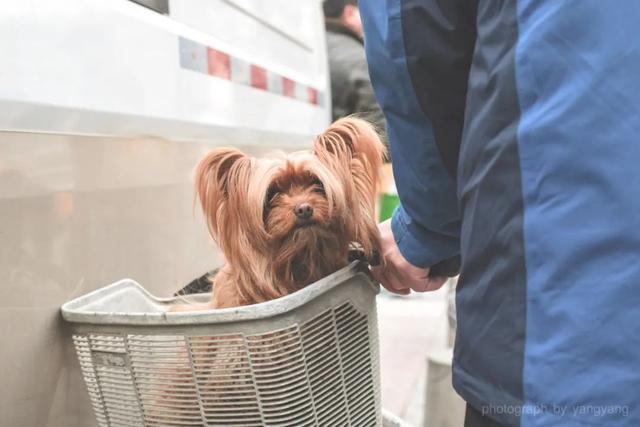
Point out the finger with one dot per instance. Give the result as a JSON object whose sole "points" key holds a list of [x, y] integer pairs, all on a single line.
{"points": [[420, 285], [394, 285], [436, 283], [378, 274], [417, 280], [380, 277], [405, 291], [401, 289], [397, 283]]}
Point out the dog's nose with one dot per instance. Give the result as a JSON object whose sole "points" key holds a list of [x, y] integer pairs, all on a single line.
{"points": [[303, 210]]}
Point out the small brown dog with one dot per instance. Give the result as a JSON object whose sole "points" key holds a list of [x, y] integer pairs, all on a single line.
{"points": [[285, 222]]}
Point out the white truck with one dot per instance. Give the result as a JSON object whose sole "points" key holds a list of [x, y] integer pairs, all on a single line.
{"points": [[105, 107]]}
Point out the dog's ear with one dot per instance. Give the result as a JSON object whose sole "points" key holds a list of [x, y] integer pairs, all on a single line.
{"points": [[351, 142], [216, 175], [352, 150]]}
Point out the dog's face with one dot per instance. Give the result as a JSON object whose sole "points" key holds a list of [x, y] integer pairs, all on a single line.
{"points": [[302, 208], [295, 202], [302, 197], [304, 214]]}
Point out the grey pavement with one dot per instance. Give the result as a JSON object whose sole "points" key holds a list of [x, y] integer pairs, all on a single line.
{"points": [[410, 327]]}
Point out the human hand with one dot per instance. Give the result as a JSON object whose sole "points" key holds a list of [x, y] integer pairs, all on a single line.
{"points": [[397, 274]]}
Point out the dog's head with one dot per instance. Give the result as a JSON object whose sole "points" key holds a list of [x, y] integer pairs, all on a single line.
{"points": [[302, 208]]}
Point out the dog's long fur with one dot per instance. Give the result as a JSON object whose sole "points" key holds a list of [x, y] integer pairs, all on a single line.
{"points": [[249, 207]]}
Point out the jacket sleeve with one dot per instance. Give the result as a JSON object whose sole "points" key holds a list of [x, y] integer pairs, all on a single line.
{"points": [[419, 53]]}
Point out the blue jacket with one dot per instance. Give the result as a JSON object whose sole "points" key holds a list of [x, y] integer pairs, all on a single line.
{"points": [[514, 128]]}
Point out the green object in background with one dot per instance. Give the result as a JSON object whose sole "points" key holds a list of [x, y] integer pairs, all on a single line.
{"points": [[388, 203]]}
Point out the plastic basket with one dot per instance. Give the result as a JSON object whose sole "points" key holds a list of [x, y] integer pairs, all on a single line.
{"points": [[307, 359]]}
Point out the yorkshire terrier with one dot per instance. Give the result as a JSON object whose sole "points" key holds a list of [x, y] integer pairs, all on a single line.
{"points": [[284, 222]]}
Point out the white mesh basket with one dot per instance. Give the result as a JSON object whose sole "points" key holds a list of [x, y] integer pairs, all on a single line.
{"points": [[307, 359]]}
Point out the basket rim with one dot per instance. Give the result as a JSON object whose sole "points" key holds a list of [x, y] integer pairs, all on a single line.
{"points": [[82, 309]]}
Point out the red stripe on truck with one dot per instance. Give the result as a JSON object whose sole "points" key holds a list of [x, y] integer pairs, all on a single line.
{"points": [[313, 95], [288, 87], [214, 62], [258, 77], [219, 63]]}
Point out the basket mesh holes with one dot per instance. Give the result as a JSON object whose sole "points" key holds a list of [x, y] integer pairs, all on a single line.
{"points": [[318, 373]]}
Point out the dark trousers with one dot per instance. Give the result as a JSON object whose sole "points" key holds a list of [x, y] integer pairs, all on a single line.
{"points": [[474, 418]]}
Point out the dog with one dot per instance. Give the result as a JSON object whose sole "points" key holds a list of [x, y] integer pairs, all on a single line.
{"points": [[285, 221], [282, 222]]}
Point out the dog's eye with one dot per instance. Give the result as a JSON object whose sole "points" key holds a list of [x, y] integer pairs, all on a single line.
{"points": [[272, 193], [318, 186]]}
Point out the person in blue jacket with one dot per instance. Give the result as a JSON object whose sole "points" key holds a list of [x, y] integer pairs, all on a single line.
{"points": [[514, 129]]}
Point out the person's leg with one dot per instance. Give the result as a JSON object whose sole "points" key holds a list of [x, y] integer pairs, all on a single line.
{"points": [[474, 418]]}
